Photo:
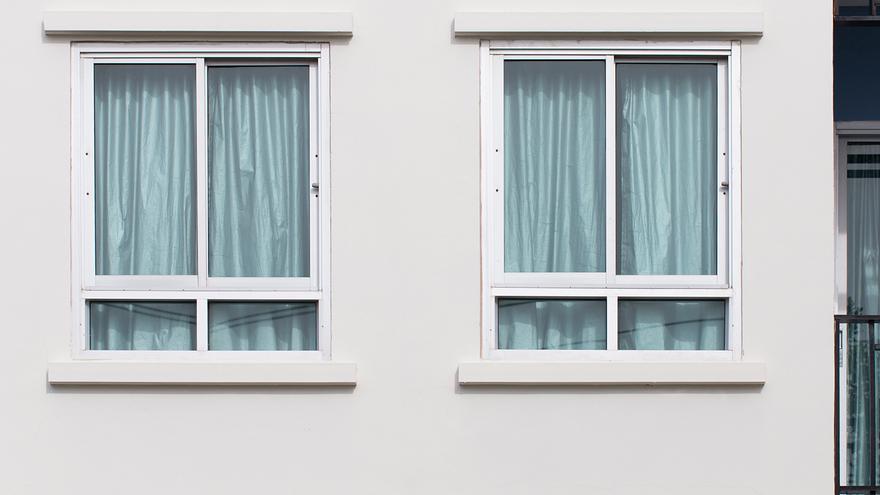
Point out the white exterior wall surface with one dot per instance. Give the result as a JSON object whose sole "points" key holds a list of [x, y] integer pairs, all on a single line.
{"points": [[405, 140]]}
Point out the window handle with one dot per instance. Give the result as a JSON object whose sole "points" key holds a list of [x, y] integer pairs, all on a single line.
{"points": [[315, 186], [725, 186]]}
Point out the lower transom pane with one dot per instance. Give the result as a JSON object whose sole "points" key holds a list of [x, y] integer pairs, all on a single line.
{"points": [[263, 326], [672, 324], [142, 326], [551, 324]]}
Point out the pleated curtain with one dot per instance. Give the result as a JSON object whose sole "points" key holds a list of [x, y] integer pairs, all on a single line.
{"points": [[262, 326], [667, 169], [554, 166], [551, 324], [145, 182], [554, 197], [672, 325], [258, 164], [667, 192], [145, 197], [258, 201], [142, 326]]}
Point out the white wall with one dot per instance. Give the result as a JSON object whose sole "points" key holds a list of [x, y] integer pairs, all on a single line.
{"points": [[406, 288]]}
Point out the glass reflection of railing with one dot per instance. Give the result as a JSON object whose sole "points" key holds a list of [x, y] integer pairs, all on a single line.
{"points": [[857, 342]]}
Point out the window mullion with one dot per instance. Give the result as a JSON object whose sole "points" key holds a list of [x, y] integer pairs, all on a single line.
{"points": [[87, 177], [314, 178], [610, 173], [611, 322], [724, 179], [202, 324], [202, 171]]}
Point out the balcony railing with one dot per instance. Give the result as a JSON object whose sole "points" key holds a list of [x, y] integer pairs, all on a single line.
{"points": [[857, 342]]}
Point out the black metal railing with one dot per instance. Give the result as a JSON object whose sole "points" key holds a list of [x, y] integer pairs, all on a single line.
{"points": [[856, 349]]}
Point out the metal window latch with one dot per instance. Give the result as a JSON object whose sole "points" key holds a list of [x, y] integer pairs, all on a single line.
{"points": [[725, 186], [315, 186]]}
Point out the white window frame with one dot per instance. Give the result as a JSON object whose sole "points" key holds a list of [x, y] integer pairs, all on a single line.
{"points": [[200, 289], [608, 285]]}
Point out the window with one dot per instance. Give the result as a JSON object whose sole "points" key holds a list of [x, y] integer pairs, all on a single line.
{"points": [[201, 201], [610, 226]]}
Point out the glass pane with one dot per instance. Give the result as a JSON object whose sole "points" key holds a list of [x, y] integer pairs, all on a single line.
{"points": [[551, 324], [258, 164], [142, 326], [681, 325], [554, 166], [858, 404], [863, 228], [145, 159], [863, 291], [667, 169], [263, 326]]}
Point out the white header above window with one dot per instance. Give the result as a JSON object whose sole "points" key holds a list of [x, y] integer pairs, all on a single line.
{"points": [[166, 22], [551, 24]]}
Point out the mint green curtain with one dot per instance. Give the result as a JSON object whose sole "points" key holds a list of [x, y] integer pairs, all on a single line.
{"points": [[667, 168], [551, 324], [263, 326], [554, 166], [142, 326], [682, 325], [145, 169], [863, 291], [258, 166]]}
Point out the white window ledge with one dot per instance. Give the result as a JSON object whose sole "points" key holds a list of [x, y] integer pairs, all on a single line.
{"points": [[610, 373], [636, 23], [168, 22], [200, 373]]}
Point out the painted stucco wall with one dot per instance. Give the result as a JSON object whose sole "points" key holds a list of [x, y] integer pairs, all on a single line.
{"points": [[406, 294]]}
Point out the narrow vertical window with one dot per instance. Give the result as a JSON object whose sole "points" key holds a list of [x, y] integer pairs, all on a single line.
{"points": [[145, 154]]}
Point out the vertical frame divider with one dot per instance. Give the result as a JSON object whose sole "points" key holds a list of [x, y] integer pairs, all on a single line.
{"points": [[87, 176], [611, 198], [321, 279], [202, 201], [487, 258], [842, 364], [201, 324], [611, 323], [734, 202], [610, 170], [496, 152], [314, 176], [202, 171], [722, 95]]}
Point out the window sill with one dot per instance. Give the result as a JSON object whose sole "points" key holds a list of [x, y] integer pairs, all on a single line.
{"points": [[611, 373], [216, 373]]}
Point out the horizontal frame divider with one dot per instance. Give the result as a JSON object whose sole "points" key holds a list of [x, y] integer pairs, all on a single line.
{"points": [[193, 295]]}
